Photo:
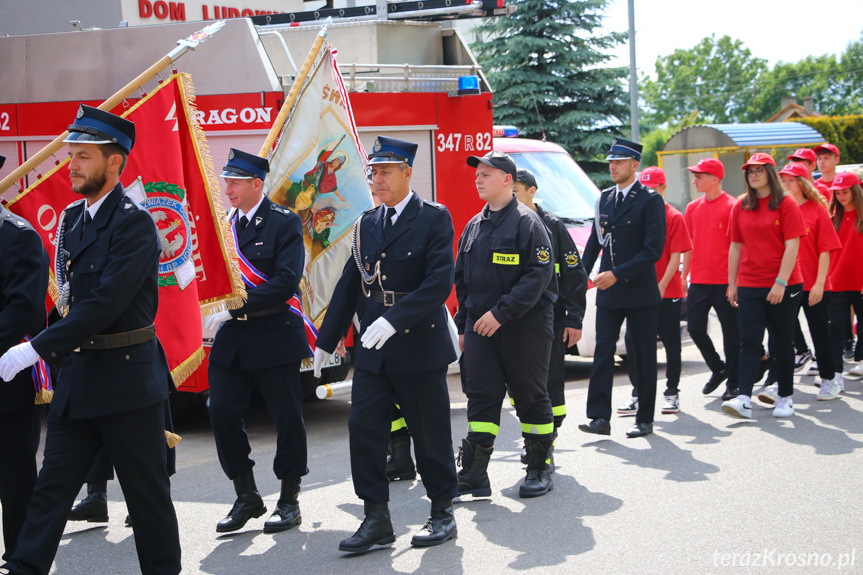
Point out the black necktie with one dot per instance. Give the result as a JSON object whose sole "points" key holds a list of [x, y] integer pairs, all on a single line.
{"points": [[87, 219], [241, 225], [618, 200], [388, 224]]}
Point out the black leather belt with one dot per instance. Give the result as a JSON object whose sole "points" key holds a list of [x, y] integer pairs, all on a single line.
{"points": [[386, 297], [280, 308], [124, 339]]}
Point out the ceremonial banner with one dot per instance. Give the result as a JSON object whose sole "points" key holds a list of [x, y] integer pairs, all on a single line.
{"points": [[318, 170], [170, 174]]}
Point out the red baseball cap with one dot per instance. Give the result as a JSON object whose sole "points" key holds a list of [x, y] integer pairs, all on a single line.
{"points": [[759, 159], [827, 148], [803, 154], [652, 177], [710, 166], [845, 180], [795, 169]]}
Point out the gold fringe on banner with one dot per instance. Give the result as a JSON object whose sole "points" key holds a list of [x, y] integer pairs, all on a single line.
{"points": [[172, 439], [182, 372], [44, 396], [223, 229]]}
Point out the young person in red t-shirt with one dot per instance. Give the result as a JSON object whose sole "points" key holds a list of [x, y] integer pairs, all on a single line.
{"points": [[827, 157], [706, 268], [814, 259], [846, 270], [764, 281], [808, 158], [671, 288]]}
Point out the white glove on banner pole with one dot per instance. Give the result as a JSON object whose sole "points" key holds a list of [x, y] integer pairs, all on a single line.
{"points": [[320, 357], [17, 359], [377, 334], [213, 321]]}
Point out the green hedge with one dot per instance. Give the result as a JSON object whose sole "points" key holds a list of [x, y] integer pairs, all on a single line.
{"points": [[846, 132]]}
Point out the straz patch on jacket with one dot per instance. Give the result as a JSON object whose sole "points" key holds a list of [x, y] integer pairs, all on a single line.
{"points": [[571, 258], [504, 259], [543, 255]]}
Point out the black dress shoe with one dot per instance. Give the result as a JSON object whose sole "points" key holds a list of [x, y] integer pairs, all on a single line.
{"points": [[94, 507], [376, 529], [716, 378], [730, 393], [640, 430], [598, 426], [439, 528], [248, 505], [287, 514], [128, 520]]}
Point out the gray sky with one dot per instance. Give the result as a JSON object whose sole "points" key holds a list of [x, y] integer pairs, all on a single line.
{"points": [[775, 30]]}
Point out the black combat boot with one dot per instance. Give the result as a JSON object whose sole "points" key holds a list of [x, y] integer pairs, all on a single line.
{"points": [[376, 529], [400, 464], [287, 512], [550, 452], [538, 479], [94, 507], [247, 506], [473, 476], [440, 526]]}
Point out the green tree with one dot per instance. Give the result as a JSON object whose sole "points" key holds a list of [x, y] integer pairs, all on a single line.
{"points": [[548, 57], [715, 82]]}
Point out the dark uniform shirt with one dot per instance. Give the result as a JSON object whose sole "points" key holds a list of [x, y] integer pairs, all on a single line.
{"points": [[505, 264], [571, 275]]}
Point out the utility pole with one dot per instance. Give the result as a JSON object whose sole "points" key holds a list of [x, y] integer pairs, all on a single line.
{"points": [[633, 75]]}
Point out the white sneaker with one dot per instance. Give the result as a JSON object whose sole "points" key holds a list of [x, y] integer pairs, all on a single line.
{"points": [[829, 390], [813, 368], [631, 408], [738, 407], [841, 381], [784, 407], [671, 405], [857, 369], [769, 394]]}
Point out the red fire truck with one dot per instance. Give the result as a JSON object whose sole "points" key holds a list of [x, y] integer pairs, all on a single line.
{"points": [[403, 78]]}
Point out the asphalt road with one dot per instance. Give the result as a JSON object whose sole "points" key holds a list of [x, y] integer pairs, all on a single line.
{"points": [[705, 494]]}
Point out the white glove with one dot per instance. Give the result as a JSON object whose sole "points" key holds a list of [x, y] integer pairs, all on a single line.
{"points": [[16, 359], [378, 333], [320, 357], [213, 321]]}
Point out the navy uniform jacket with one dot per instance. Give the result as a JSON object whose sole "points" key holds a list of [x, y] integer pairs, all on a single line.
{"points": [[570, 272], [416, 257], [637, 239], [23, 285], [113, 273], [273, 244], [505, 264]]}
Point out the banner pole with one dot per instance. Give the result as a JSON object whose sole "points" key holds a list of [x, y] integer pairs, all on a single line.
{"points": [[295, 90], [183, 46]]}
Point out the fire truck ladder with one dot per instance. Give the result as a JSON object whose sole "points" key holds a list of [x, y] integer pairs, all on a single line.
{"points": [[427, 10]]}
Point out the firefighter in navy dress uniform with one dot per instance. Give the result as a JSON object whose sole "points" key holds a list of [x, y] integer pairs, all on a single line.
{"points": [[23, 284], [629, 228], [260, 345], [114, 382], [505, 288], [397, 282]]}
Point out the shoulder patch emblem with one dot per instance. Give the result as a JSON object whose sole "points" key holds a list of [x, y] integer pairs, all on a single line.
{"points": [[570, 258], [543, 255]]}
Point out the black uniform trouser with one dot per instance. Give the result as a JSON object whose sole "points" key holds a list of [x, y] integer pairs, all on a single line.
{"points": [[800, 345], [840, 324], [230, 395], [756, 314], [516, 359], [668, 329], [135, 441], [699, 300], [641, 322], [819, 328], [423, 398], [557, 367], [19, 431]]}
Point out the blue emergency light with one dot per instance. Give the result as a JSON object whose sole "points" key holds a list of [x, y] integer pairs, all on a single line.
{"points": [[505, 132], [468, 85]]}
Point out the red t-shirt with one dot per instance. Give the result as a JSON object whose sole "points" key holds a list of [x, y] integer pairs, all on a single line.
{"points": [[846, 268], [676, 240], [822, 187], [820, 237], [707, 224], [763, 234]]}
